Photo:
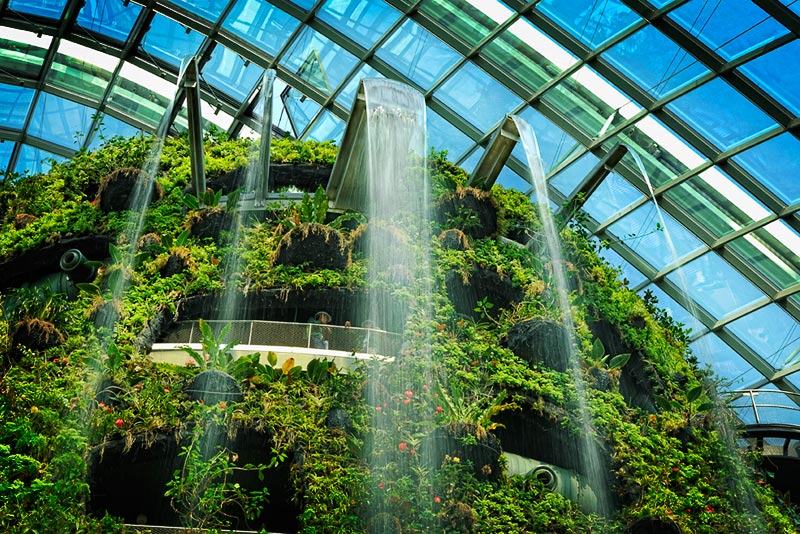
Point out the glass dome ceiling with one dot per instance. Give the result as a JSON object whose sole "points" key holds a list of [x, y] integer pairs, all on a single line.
{"points": [[706, 92]]}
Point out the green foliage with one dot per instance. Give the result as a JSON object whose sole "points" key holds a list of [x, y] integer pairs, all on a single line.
{"points": [[443, 174], [205, 493], [286, 150]]}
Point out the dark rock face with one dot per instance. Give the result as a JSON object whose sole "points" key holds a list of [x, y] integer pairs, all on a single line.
{"points": [[175, 265], [37, 335], [210, 223], [542, 434], [116, 189], [483, 283], [306, 177], [34, 264], [541, 341], [638, 381], [313, 246], [128, 480], [654, 526], [214, 386], [454, 239], [462, 442], [471, 210], [227, 181], [339, 419]]}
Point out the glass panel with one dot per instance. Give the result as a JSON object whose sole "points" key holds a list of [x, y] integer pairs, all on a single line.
{"points": [[299, 108], [567, 180], [347, 95], [71, 72], [769, 72], [111, 19], [469, 163], [511, 180], [613, 195], [630, 274], [663, 154], [591, 103], [591, 22], [716, 286], [729, 27], [261, 24], [22, 53], [328, 127], [44, 8], [14, 105], [555, 145], [169, 41], [34, 160], [112, 127], [773, 251], [477, 97], [6, 148], [794, 5], [678, 312], [771, 332], [145, 103], [417, 54], [773, 407], [467, 21], [528, 55], [642, 232], [60, 121], [227, 71], [721, 114], [656, 63], [319, 61], [717, 202], [210, 9], [444, 136], [776, 163], [726, 363], [305, 4], [363, 21]]}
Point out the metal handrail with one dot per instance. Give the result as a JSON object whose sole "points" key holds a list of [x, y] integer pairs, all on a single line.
{"points": [[753, 393], [303, 335]]}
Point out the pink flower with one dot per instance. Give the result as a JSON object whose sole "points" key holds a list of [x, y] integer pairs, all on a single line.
{"points": [[437, 499], [406, 401], [119, 423], [409, 394], [438, 409], [402, 446], [412, 452], [378, 408]]}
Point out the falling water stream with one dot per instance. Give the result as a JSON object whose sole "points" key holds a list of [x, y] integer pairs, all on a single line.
{"points": [[592, 466], [253, 186], [725, 427], [398, 236]]}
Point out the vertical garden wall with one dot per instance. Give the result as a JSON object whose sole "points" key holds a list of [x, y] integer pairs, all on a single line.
{"points": [[94, 434]]}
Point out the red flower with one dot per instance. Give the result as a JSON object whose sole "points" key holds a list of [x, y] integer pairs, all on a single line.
{"points": [[438, 409], [381, 485], [119, 423], [402, 446], [223, 405], [709, 509], [437, 499], [378, 408], [412, 452], [409, 393], [676, 469], [406, 401]]}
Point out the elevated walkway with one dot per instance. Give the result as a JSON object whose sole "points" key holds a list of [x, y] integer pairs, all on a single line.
{"points": [[303, 342]]}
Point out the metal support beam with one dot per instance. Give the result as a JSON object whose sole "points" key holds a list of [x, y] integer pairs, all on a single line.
{"points": [[592, 180], [494, 158], [345, 190], [190, 82], [264, 184]]}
